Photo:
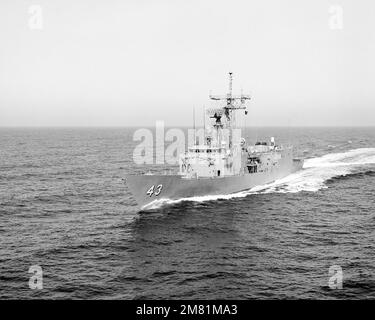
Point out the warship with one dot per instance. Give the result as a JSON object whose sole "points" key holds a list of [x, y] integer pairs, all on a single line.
{"points": [[220, 165]]}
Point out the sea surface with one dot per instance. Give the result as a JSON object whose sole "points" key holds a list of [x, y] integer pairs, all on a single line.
{"points": [[65, 207]]}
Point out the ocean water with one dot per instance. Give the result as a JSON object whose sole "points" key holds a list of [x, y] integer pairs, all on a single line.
{"points": [[65, 208]]}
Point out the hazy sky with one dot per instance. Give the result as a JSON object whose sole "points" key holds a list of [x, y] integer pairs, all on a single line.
{"points": [[132, 62]]}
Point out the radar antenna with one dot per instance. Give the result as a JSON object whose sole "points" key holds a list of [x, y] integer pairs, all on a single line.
{"points": [[230, 85]]}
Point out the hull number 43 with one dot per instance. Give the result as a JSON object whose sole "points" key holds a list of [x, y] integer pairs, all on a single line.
{"points": [[154, 190]]}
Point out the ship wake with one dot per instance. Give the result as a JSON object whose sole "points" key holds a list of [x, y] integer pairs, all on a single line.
{"points": [[313, 177]]}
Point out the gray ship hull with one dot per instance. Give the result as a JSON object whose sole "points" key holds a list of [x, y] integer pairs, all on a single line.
{"points": [[176, 187]]}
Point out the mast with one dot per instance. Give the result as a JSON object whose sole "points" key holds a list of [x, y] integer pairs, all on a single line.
{"points": [[228, 112], [195, 139], [233, 103], [204, 124]]}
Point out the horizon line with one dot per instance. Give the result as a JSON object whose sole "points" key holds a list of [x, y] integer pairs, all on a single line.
{"points": [[181, 126]]}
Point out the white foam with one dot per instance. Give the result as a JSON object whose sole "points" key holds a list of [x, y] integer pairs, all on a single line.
{"points": [[315, 172]]}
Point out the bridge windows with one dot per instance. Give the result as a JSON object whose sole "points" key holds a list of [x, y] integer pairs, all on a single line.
{"points": [[252, 169]]}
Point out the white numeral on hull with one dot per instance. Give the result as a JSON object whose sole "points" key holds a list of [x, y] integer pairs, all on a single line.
{"points": [[152, 191]]}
